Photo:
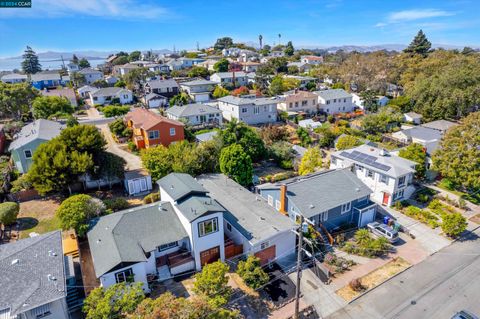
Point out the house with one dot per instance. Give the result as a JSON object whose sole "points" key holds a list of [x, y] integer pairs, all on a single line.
{"points": [[183, 63], [84, 90], [65, 92], [198, 90], [48, 80], [330, 198], [208, 64], [195, 114], [124, 69], [153, 100], [111, 80], [228, 52], [150, 129], [299, 101], [110, 95], [277, 54], [249, 110], [311, 59], [440, 125], [167, 88], [359, 102], [250, 66], [198, 222], [235, 79], [29, 138], [303, 80], [309, 124], [335, 101], [72, 67], [158, 68], [389, 177], [13, 78], [413, 117], [3, 138], [302, 67], [91, 75], [33, 280]]}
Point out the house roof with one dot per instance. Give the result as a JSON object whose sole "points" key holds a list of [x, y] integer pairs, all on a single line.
{"points": [[236, 100], [125, 236], [45, 76], [179, 185], [423, 133], [89, 71], [333, 94], [227, 75], [14, 76], [154, 96], [191, 110], [312, 57], [32, 272], [414, 115], [40, 129], [162, 84], [319, 192], [208, 136], [372, 158], [143, 118], [86, 88], [194, 207], [299, 94], [440, 125], [248, 213], [198, 82], [109, 91]]}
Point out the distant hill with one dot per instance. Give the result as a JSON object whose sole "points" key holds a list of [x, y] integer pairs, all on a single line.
{"points": [[88, 54]]}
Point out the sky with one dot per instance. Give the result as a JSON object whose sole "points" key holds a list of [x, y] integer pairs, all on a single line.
{"points": [[67, 25]]}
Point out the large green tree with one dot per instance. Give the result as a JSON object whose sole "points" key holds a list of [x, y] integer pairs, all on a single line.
{"points": [[223, 43], [198, 71], [247, 137], [134, 56], [221, 65], [83, 63], [212, 282], [30, 63], [75, 211], [45, 107], [237, 164], [8, 213], [16, 99], [370, 101], [419, 45], [311, 161], [347, 141], [458, 155], [416, 152], [252, 273], [276, 86], [289, 50]]}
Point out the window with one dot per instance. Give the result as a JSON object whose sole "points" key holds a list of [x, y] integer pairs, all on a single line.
{"points": [[398, 195], [28, 153], [304, 103], [172, 131], [277, 205], [359, 167], [42, 311], [334, 100], [333, 160], [270, 200], [324, 216], [290, 105], [264, 245], [296, 104], [168, 246], [384, 179], [346, 208], [344, 108], [370, 173], [344, 100], [328, 102], [401, 181], [229, 226], [208, 227], [256, 110], [244, 110], [153, 134], [124, 276]]}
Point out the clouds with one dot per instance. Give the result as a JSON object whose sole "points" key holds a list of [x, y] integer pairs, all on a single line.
{"points": [[406, 16], [110, 9]]}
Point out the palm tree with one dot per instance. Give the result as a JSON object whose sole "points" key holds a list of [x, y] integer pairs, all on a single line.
{"points": [[279, 37], [260, 38]]}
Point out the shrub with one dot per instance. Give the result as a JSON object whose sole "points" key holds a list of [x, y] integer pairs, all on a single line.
{"points": [[131, 146], [151, 198], [75, 211], [116, 204], [8, 212], [462, 203], [356, 285], [252, 273], [113, 110], [454, 224], [423, 198]]}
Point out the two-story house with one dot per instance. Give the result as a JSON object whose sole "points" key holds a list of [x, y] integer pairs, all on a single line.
{"points": [[167, 88], [91, 75], [196, 223], [198, 90], [151, 129], [249, 110], [195, 114], [234, 79], [389, 177], [330, 198], [33, 278], [335, 101], [30, 137], [110, 95], [299, 101]]}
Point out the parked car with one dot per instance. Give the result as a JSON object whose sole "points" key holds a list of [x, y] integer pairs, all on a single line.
{"points": [[464, 315], [383, 231]]}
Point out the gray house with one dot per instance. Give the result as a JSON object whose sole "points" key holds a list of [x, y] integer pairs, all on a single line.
{"points": [[329, 198], [29, 138], [249, 110], [195, 114], [33, 279]]}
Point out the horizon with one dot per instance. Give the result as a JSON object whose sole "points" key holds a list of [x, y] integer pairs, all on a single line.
{"points": [[108, 25]]}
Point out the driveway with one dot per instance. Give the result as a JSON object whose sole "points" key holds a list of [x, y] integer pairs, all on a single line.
{"points": [[133, 161]]}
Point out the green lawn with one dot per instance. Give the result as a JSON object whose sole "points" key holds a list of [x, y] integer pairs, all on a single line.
{"points": [[43, 226]]}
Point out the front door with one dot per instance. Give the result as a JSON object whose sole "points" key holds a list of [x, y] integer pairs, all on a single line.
{"points": [[210, 255], [386, 197]]}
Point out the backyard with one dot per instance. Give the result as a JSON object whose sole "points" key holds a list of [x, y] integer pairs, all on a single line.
{"points": [[38, 216]]}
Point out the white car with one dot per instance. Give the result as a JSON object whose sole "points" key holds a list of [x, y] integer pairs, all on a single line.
{"points": [[383, 231]]}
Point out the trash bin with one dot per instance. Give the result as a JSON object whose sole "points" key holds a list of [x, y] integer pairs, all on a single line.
{"points": [[386, 219]]}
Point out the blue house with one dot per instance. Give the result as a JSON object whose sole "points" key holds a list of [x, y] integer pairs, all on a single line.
{"points": [[48, 80], [329, 198]]}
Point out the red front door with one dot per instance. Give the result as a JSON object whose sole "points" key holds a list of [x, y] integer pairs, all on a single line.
{"points": [[386, 197]]}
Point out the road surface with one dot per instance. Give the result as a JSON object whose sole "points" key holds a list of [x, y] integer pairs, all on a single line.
{"points": [[443, 284]]}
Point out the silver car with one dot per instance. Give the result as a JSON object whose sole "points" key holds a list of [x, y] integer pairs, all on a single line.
{"points": [[383, 231]]}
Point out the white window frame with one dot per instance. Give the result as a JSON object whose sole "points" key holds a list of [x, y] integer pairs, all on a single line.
{"points": [[324, 216], [346, 208], [42, 311], [404, 181], [277, 204], [155, 136], [25, 153], [384, 179], [201, 227], [270, 200], [264, 245], [123, 273], [168, 246], [172, 130]]}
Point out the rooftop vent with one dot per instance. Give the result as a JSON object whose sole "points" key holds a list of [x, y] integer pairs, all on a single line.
{"points": [[51, 277], [312, 206], [383, 152], [261, 218], [15, 261], [51, 253]]}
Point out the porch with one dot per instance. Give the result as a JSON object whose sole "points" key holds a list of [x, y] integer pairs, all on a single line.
{"points": [[174, 263]]}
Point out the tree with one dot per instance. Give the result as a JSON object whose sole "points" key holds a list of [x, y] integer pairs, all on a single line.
{"points": [[75, 211], [114, 302], [311, 161], [416, 152], [135, 77], [112, 169], [237, 164], [468, 50], [221, 65], [8, 213], [83, 63], [458, 155], [419, 45], [119, 128], [293, 69], [30, 63], [45, 107], [246, 136], [220, 92], [223, 43], [74, 59], [276, 86], [16, 99], [304, 136], [453, 224], [212, 282], [382, 121], [370, 101], [404, 103], [277, 65], [180, 99], [273, 133], [346, 142], [282, 153], [134, 56], [83, 139], [289, 50], [120, 60], [252, 273], [290, 84], [243, 90], [119, 84], [114, 110], [198, 71], [158, 161]]}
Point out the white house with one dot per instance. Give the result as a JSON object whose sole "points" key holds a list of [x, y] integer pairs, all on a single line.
{"points": [[299, 101], [335, 101], [198, 90], [13, 78], [111, 80], [413, 117], [84, 90], [91, 75], [358, 100], [277, 54], [198, 222], [249, 110], [153, 100], [309, 124], [195, 114], [235, 79], [311, 59], [107, 95], [389, 177]]}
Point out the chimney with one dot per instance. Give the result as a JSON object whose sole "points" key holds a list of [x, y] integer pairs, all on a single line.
{"points": [[283, 198]]}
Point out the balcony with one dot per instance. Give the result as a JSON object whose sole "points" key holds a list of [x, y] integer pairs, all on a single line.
{"points": [[174, 263]]}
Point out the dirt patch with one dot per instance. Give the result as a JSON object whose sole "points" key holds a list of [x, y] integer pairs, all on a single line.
{"points": [[236, 282], [375, 278], [476, 219], [38, 216]]}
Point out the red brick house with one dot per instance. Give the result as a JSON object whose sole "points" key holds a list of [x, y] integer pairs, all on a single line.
{"points": [[150, 129]]}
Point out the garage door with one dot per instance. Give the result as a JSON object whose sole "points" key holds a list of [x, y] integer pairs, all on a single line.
{"points": [[266, 255], [210, 255], [366, 217]]}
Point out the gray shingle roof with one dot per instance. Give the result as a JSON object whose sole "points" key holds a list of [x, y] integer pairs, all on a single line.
{"points": [[152, 96], [178, 185], [440, 125], [423, 133], [161, 84], [45, 76], [333, 94], [14, 76], [226, 75], [125, 236], [235, 100], [89, 71], [414, 115], [208, 136], [198, 82], [109, 91], [25, 267], [248, 213], [40, 129], [197, 206], [191, 109]]}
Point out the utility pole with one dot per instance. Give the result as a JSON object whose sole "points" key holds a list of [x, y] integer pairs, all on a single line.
{"points": [[299, 268]]}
